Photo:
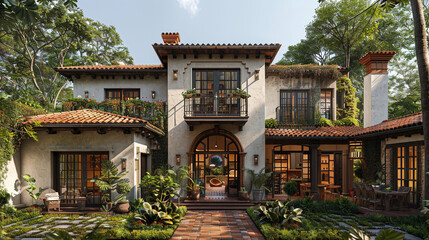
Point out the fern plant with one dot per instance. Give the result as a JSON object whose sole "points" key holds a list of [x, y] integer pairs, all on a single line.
{"points": [[112, 180]]}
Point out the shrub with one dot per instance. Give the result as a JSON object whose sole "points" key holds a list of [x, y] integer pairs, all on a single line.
{"points": [[161, 213], [271, 123], [279, 213], [4, 197], [158, 188], [348, 121], [325, 122], [290, 188]]}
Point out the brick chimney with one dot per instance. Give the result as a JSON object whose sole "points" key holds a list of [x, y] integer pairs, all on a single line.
{"points": [[170, 38], [375, 100]]}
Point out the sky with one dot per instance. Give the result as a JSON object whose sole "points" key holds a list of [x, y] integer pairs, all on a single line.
{"points": [[141, 22]]}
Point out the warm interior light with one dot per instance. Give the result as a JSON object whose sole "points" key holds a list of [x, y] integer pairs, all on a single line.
{"points": [[124, 164], [257, 74], [178, 159], [175, 74], [153, 94], [256, 159]]}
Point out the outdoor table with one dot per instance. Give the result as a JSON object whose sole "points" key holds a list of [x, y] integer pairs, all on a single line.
{"points": [[321, 188], [334, 188], [387, 196]]}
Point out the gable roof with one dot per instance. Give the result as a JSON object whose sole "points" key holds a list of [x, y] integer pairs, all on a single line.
{"points": [[108, 69], [91, 118], [403, 123]]}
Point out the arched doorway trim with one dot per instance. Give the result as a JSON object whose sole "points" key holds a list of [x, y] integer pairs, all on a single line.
{"points": [[215, 131]]}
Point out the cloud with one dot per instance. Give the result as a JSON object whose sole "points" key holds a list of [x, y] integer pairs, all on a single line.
{"points": [[189, 5]]}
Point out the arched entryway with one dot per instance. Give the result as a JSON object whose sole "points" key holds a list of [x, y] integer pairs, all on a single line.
{"points": [[215, 163]]}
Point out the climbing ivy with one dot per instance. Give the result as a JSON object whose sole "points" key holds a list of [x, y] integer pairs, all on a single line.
{"points": [[12, 131], [346, 89]]}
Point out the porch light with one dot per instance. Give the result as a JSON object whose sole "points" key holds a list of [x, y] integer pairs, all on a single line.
{"points": [[124, 164], [153, 94], [177, 159], [86, 94], [175, 74], [256, 159], [257, 74]]}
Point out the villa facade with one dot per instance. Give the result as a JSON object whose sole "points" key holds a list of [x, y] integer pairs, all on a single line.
{"points": [[216, 130]]}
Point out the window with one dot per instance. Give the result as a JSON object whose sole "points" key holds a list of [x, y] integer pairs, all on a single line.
{"points": [[294, 107], [122, 94], [216, 82], [326, 103]]}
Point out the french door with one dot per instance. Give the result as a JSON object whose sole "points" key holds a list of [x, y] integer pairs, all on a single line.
{"points": [[75, 174]]}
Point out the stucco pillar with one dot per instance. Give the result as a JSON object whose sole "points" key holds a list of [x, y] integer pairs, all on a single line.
{"points": [[376, 87], [314, 170]]}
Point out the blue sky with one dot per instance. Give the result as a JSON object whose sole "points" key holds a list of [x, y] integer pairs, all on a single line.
{"points": [[141, 22]]}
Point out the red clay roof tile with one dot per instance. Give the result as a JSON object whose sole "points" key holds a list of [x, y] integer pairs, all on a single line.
{"points": [[112, 67], [409, 120], [90, 117]]}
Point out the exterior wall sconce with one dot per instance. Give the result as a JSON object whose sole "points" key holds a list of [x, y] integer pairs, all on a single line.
{"points": [[153, 94], [257, 74], [177, 159], [175, 74], [124, 164], [256, 159], [86, 94]]}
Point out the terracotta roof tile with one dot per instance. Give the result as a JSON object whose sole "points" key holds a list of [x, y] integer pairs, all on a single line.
{"points": [[88, 117], [409, 120], [219, 44], [112, 67], [342, 131]]}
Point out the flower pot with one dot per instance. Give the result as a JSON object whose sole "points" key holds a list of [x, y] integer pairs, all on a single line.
{"points": [[81, 203], [122, 207], [258, 194], [194, 195], [243, 195]]}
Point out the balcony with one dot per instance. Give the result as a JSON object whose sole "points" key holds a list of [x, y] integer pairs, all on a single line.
{"points": [[295, 117], [216, 109]]}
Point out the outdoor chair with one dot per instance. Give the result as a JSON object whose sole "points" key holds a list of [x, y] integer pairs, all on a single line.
{"points": [[361, 200], [402, 200], [51, 201], [372, 197]]}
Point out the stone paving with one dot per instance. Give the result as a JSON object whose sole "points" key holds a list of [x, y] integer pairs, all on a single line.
{"points": [[221, 224]]}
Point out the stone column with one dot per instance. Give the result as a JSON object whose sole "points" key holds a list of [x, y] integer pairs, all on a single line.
{"points": [[376, 87]]}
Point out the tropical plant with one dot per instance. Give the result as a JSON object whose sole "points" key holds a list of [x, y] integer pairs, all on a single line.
{"points": [[259, 179], [194, 186], [4, 197], [32, 187], [112, 180], [277, 212], [290, 188], [158, 187], [136, 204], [325, 122], [241, 92], [271, 123], [188, 92], [159, 212], [386, 234]]}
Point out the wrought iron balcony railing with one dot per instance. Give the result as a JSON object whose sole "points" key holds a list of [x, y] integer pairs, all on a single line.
{"points": [[291, 115], [228, 105]]}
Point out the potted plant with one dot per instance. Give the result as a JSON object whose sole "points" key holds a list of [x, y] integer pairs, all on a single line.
{"points": [[243, 194], [112, 180], [190, 93], [178, 177], [258, 180], [194, 190], [240, 93], [290, 188]]}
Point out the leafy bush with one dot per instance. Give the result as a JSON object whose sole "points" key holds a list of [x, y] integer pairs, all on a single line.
{"points": [[241, 92], [290, 188], [325, 122], [161, 213], [259, 179], [158, 188], [4, 197], [341, 206], [271, 123], [112, 180], [188, 92], [348, 121], [278, 213]]}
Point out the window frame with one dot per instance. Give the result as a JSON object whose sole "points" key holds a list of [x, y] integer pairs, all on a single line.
{"points": [[322, 100], [122, 92]]}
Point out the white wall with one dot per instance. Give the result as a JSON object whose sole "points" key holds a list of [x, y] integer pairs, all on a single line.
{"points": [[375, 99], [253, 135], [12, 182], [274, 84], [95, 87], [36, 157]]}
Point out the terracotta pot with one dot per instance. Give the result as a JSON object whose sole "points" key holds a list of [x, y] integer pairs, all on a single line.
{"points": [[194, 195], [122, 207], [243, 195]]}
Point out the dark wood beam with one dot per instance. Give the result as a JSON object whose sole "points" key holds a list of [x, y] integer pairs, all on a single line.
{"points": [[156, 75], [51, 131], [77, 76], [184, 56], [126, 130], [141, 76], [75, 131], [101, 131]]}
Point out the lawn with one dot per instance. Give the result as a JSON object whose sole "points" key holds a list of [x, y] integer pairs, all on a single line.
{"points": [[330, 219]]}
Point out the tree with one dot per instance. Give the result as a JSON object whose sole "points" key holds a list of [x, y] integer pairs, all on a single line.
{"points": [[421, 46], [308, 51], [58, 36]]}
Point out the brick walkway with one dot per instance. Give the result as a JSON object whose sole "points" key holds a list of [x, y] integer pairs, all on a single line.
{"points": [[221, 224]]}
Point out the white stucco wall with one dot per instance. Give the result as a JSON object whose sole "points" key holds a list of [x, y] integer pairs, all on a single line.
{"points": [[273, 85], [252, 137], [12, 181], [36, 157], [375, 103], [95, 87]]}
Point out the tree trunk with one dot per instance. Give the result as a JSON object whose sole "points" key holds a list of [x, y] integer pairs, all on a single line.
{"points": [[423, 66]]}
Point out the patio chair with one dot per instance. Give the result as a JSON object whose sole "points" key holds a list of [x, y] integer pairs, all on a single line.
{"points": [[372, 197], [403, 199], [360, 195], [51, 201]]}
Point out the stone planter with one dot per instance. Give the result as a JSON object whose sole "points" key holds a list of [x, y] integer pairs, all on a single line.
{"points": [[258, 194], [194, 195], [122, 207], [81, 203]]}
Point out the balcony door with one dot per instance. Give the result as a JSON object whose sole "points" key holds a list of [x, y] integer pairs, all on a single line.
{"points": [[216, 87], [294, 107]]}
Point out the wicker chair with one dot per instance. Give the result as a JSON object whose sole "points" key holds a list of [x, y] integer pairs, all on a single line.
{"points": [[51, 201], [372, 197]]}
